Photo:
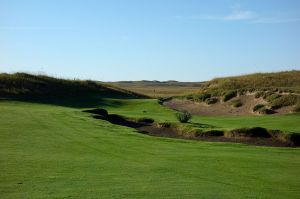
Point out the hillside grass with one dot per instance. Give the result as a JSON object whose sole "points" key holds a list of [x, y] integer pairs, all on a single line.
{"points": [[285, 81], [50, 151], [279, 89], [29, 86]]}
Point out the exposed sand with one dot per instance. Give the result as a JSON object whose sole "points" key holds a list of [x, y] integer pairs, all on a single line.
{"points": [[221, 108]]}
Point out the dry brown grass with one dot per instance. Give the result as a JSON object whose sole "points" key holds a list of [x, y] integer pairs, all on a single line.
{"points": [[287, 79], [157, 89]]}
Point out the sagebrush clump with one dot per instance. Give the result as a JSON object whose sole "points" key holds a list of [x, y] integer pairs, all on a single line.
{"points": [[211, 100], [285, 100], [183, 117], [296, 109], [229, 95], [258, 107], [202, 97], [236, 103]]}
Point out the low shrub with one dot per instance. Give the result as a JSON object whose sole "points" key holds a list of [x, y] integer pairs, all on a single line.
{"points": [[285, 100], [296, 109], [267, 94], [183, 117], [229, 95], [202, 97], [242, 91], [190, 97], [271, 98], [257, 107], [236, 103], [259, 94], [211, 100]]}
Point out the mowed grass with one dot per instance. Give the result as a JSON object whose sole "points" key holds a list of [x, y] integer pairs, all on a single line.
{"points": [[51, 151], [150, 108]]}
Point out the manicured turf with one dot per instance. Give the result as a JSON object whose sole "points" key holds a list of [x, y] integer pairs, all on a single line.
{"points": [[150, 108], [51, 151]]}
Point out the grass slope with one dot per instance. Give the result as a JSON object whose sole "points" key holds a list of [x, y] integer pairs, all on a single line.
{"points": [[29, 87], [285, 80], [280, 89], [51, 151]]}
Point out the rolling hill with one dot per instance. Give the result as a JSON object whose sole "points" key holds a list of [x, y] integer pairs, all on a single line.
{"points": [[45, 89], [261, 93]]}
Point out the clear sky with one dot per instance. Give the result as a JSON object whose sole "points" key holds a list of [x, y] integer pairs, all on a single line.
{"points": [[149, 39]]}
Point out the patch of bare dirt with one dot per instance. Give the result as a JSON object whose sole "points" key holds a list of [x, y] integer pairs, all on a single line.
{"points": [[221, 108]]}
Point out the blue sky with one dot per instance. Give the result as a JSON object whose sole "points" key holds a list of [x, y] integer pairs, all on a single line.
{"points": [[149, 39]]}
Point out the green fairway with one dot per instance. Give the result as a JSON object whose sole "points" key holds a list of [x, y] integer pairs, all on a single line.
{"points": [[57, 152], [150, 108]]}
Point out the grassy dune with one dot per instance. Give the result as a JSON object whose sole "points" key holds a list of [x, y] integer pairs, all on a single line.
{"points": [[289, 80], [275, 90], [28, 86], [52, 151]]}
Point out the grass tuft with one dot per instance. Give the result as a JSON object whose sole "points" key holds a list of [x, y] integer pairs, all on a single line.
{"points": [[236, 103], [229, 95]]}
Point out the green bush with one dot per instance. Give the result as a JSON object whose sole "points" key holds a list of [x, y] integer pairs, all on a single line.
{"points": [[229, 95], [242, 91], [296, 109], [267, 94], [183, 117], [285, 100], [202, 97], [236, 103], [190, 97], [272, 97], [259, 94], [258, 107], [211, 100]]}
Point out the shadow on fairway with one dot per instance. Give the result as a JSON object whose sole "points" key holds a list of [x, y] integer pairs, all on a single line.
{"points": [[70, 93], [74, 102]]}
